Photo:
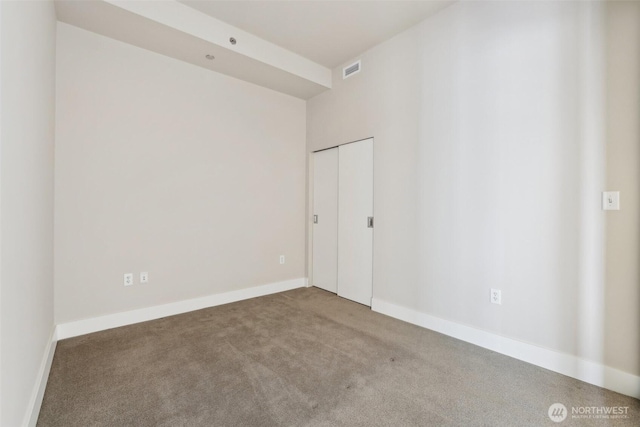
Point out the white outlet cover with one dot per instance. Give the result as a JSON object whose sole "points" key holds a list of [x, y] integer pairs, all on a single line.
{"points": [[128, 279], [144, 277], [496, 296], [281, 259], [611, 201]]}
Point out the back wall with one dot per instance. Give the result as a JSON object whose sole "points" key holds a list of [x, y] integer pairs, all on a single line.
{"points": [[168, 168]]}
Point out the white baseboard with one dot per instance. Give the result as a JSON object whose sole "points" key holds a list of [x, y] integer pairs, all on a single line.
{"points": [[95, 324], [572, 366], [33, 410]]}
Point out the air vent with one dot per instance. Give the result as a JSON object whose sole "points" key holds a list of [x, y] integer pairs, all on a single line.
{"points": [[351, 69]]}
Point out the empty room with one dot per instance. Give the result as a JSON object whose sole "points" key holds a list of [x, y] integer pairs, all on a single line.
{"points": [[319, 213]]}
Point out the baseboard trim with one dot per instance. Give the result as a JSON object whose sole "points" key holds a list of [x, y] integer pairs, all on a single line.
{"points": [[96, 324], [572, 366], [33, 410]]}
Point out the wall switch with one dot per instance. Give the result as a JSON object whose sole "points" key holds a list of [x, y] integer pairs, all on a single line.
{"points": [[281, 259], [496, 296], [611, 201], [128, 279], [144, 277]]}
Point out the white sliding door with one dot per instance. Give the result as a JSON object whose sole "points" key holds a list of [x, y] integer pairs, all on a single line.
{"points": [[355, 221], [325, 227]]}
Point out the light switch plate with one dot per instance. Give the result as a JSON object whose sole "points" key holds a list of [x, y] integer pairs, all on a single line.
{"points": [[144, 277], [611, 201]]}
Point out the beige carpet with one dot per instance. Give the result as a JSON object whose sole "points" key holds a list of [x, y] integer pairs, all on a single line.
{"points": [[301, 358]]}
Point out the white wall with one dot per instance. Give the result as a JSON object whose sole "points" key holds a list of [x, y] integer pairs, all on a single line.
{"points": [[165, 167], [489, 162], [27, 86]]}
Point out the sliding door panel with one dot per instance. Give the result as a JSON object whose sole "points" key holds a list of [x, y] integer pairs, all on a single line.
{"points": [[355, 213], [325, 224]]}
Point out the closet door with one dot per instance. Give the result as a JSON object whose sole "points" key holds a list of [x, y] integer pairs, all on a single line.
{"points": [[325, 226], [355, 224]]}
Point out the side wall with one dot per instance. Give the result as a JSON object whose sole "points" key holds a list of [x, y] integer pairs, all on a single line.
{"points": [[623, 173], [489, 163], [171, 169], [27, 86]]}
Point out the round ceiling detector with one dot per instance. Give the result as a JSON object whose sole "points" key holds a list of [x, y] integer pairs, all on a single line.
{"points": [[210, 57]]}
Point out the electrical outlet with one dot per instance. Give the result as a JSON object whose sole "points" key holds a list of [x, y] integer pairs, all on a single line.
{"points": [[144, 277], [281, 259], [496, 296], [128, 279]]}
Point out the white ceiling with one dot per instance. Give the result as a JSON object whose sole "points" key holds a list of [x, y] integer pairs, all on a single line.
{"points": [[324, 31], [178, 31], [288, 46]]}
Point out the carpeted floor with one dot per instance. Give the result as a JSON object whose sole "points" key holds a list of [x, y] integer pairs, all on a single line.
{"points": [[301, 358]]}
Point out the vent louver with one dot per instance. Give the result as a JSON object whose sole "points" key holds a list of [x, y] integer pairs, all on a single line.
{"points": [[350, 70]]}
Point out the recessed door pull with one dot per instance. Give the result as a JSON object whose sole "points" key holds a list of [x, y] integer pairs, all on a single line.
{"points": [[369, 222], [315, 219]]}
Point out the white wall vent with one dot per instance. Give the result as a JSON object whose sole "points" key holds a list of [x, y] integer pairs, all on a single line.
{"points": [[352, 69]]}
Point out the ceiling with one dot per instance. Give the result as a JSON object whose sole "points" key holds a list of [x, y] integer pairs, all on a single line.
{"points": [[288, 46], [327, 32]]}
